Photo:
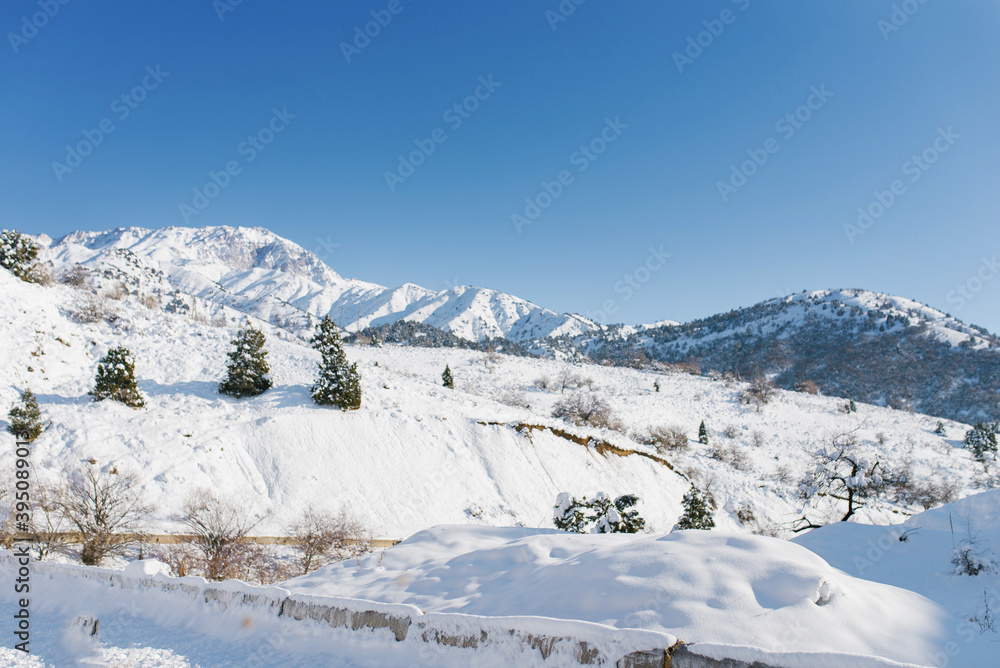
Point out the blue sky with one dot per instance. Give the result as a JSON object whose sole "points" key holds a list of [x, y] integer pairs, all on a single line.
{"points": [[673, 128]]}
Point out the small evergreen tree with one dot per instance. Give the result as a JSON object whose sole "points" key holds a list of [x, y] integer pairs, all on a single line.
{"points": [[656, 386], [339, 383], [852, 407], [115, 379], [247, 372], [939, 430], [600, 514], [449, 382], [619, 516], [702, 433], [17, 255], [25, 418], [982, 441], [568, 513], [697, 514]]}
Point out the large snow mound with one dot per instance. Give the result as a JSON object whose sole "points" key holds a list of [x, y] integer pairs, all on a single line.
{"points": [[698, 586], [918, 555]]}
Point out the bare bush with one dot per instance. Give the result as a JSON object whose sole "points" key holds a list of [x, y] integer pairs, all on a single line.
{"points": [[47, 523], [107, 510], [514, 398], [758, 393], [588, 409], [91, 308], [322, 538], [182, 558], [807, 386], [117, 291], [543, 382], [731, 431], [76, 277], [220, 527], [757, 438], [664, 438], [732, 455], [152, 302], [926, 494]]}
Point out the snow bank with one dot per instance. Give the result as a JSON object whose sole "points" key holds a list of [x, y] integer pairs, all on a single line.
{"points": [[696, 585]]}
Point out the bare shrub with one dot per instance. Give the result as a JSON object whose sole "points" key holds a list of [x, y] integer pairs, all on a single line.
{"points": [[757, 438], [568, 380], [514, 398], [47, 523], [91, 308], [664, 438], [758, 393], [151, 302], [106, 509], [322, 538], [117, 291], [807, 386], [76, 277], [543, 382], [220, 527], [732, 455], [745, 515], [926, 494], [582, 409], [880, 438], [182, 558], [731, 431]]}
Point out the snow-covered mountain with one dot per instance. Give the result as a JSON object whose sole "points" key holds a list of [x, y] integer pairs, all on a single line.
{"points": [[881, 349], [255, 271]]}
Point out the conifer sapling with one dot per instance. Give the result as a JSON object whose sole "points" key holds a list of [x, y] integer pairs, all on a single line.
{"points": [[697, 513], [449, 381], [339, 383], [25, 418], [702, 433], [115, 379], [247, 372]]}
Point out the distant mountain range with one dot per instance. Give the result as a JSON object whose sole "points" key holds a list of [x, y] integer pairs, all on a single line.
{"points": [[852, 343]]}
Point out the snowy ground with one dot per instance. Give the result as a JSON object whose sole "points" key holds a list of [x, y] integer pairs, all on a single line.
{"points": [[416, 454]]}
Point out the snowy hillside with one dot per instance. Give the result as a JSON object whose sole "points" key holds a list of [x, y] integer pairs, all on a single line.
{"points": [[257, 272], [418, 454], [873, 347]]}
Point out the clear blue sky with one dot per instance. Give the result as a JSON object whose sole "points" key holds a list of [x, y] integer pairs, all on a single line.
{"points": [[656, 185]]}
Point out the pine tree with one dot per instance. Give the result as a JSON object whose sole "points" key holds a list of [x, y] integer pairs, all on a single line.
{"points": [[656, 386], [115, 379], [982, 440], [568, 513], [25, 418], [702, 433], [339, 383], [939, 430], [697, 514], [449, 382], [852, 407], [17, 254], [247, 372]]}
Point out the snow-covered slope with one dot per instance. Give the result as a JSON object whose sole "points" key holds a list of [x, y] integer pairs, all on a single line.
{"points": [[257, 272], [418, 454], [698, 586], [918, 555]]}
